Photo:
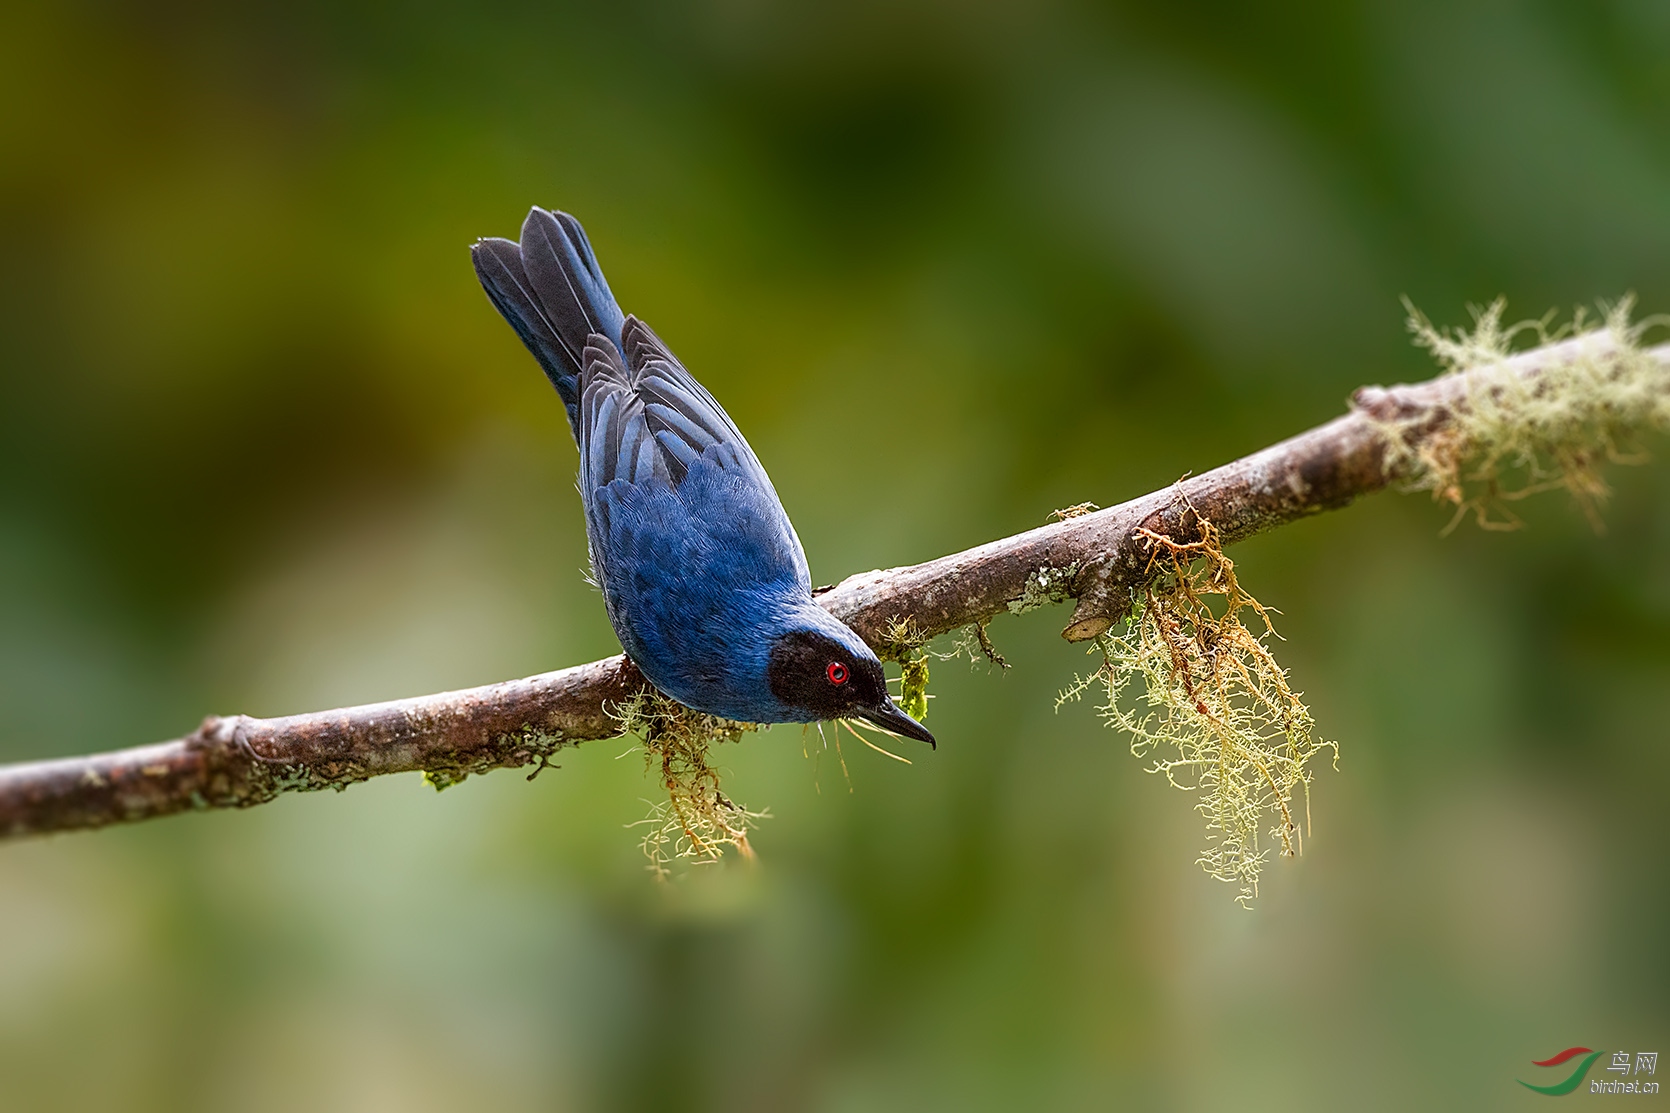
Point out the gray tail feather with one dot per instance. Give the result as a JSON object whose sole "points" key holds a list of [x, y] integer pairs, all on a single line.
{"points": [[553, 293]]}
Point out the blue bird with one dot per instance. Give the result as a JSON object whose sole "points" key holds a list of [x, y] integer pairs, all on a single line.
{"points": [[701, 572]]}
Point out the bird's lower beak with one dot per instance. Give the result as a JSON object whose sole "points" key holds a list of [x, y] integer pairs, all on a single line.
{"points": [[889, 717]]}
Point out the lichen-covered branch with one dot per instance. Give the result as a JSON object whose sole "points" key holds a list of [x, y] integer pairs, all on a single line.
{"points": [[1420, 434], [239, 761]]}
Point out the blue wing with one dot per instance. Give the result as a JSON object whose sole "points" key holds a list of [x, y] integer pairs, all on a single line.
{"points": [[651, 418], [683, 521]]}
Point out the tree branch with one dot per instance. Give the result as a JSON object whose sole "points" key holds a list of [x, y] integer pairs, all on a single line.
{"points": [[1097, 558]]}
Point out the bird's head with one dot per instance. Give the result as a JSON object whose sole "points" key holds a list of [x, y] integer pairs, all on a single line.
{"points": [[824, 669]]}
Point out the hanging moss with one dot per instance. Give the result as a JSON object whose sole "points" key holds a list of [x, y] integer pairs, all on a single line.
{"points": [[697, 820], [1205, 701]]}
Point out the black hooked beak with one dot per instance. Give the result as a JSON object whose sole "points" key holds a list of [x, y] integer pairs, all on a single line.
{"points": [[889, 717]]}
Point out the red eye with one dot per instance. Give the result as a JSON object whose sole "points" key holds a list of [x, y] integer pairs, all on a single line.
{"points": [[837, 672]]}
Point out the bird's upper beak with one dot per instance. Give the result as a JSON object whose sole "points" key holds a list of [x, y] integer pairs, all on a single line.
{"points": [[889, 717]]}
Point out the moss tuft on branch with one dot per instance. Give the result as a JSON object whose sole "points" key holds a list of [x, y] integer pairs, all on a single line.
{"points": [[1511, 435], [696, 821], [1202, 696]]}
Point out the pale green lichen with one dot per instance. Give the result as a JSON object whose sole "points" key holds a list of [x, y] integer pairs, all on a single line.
{"points": [[279, 777], [528, 745], [1044, 586], [1513, 435], [1201, 696], [696, 821]]}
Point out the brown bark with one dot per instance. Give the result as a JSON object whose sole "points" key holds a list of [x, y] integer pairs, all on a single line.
{"points": [[1096, 558]]}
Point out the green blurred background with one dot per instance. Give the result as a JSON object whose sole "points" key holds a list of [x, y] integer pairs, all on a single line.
{"points": [[265, 447]]}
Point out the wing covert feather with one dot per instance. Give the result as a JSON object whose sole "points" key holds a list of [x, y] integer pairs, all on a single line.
{"points": [[649, 418]]}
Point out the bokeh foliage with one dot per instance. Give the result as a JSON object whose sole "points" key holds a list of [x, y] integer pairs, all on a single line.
{"points": [[265, 447]]}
